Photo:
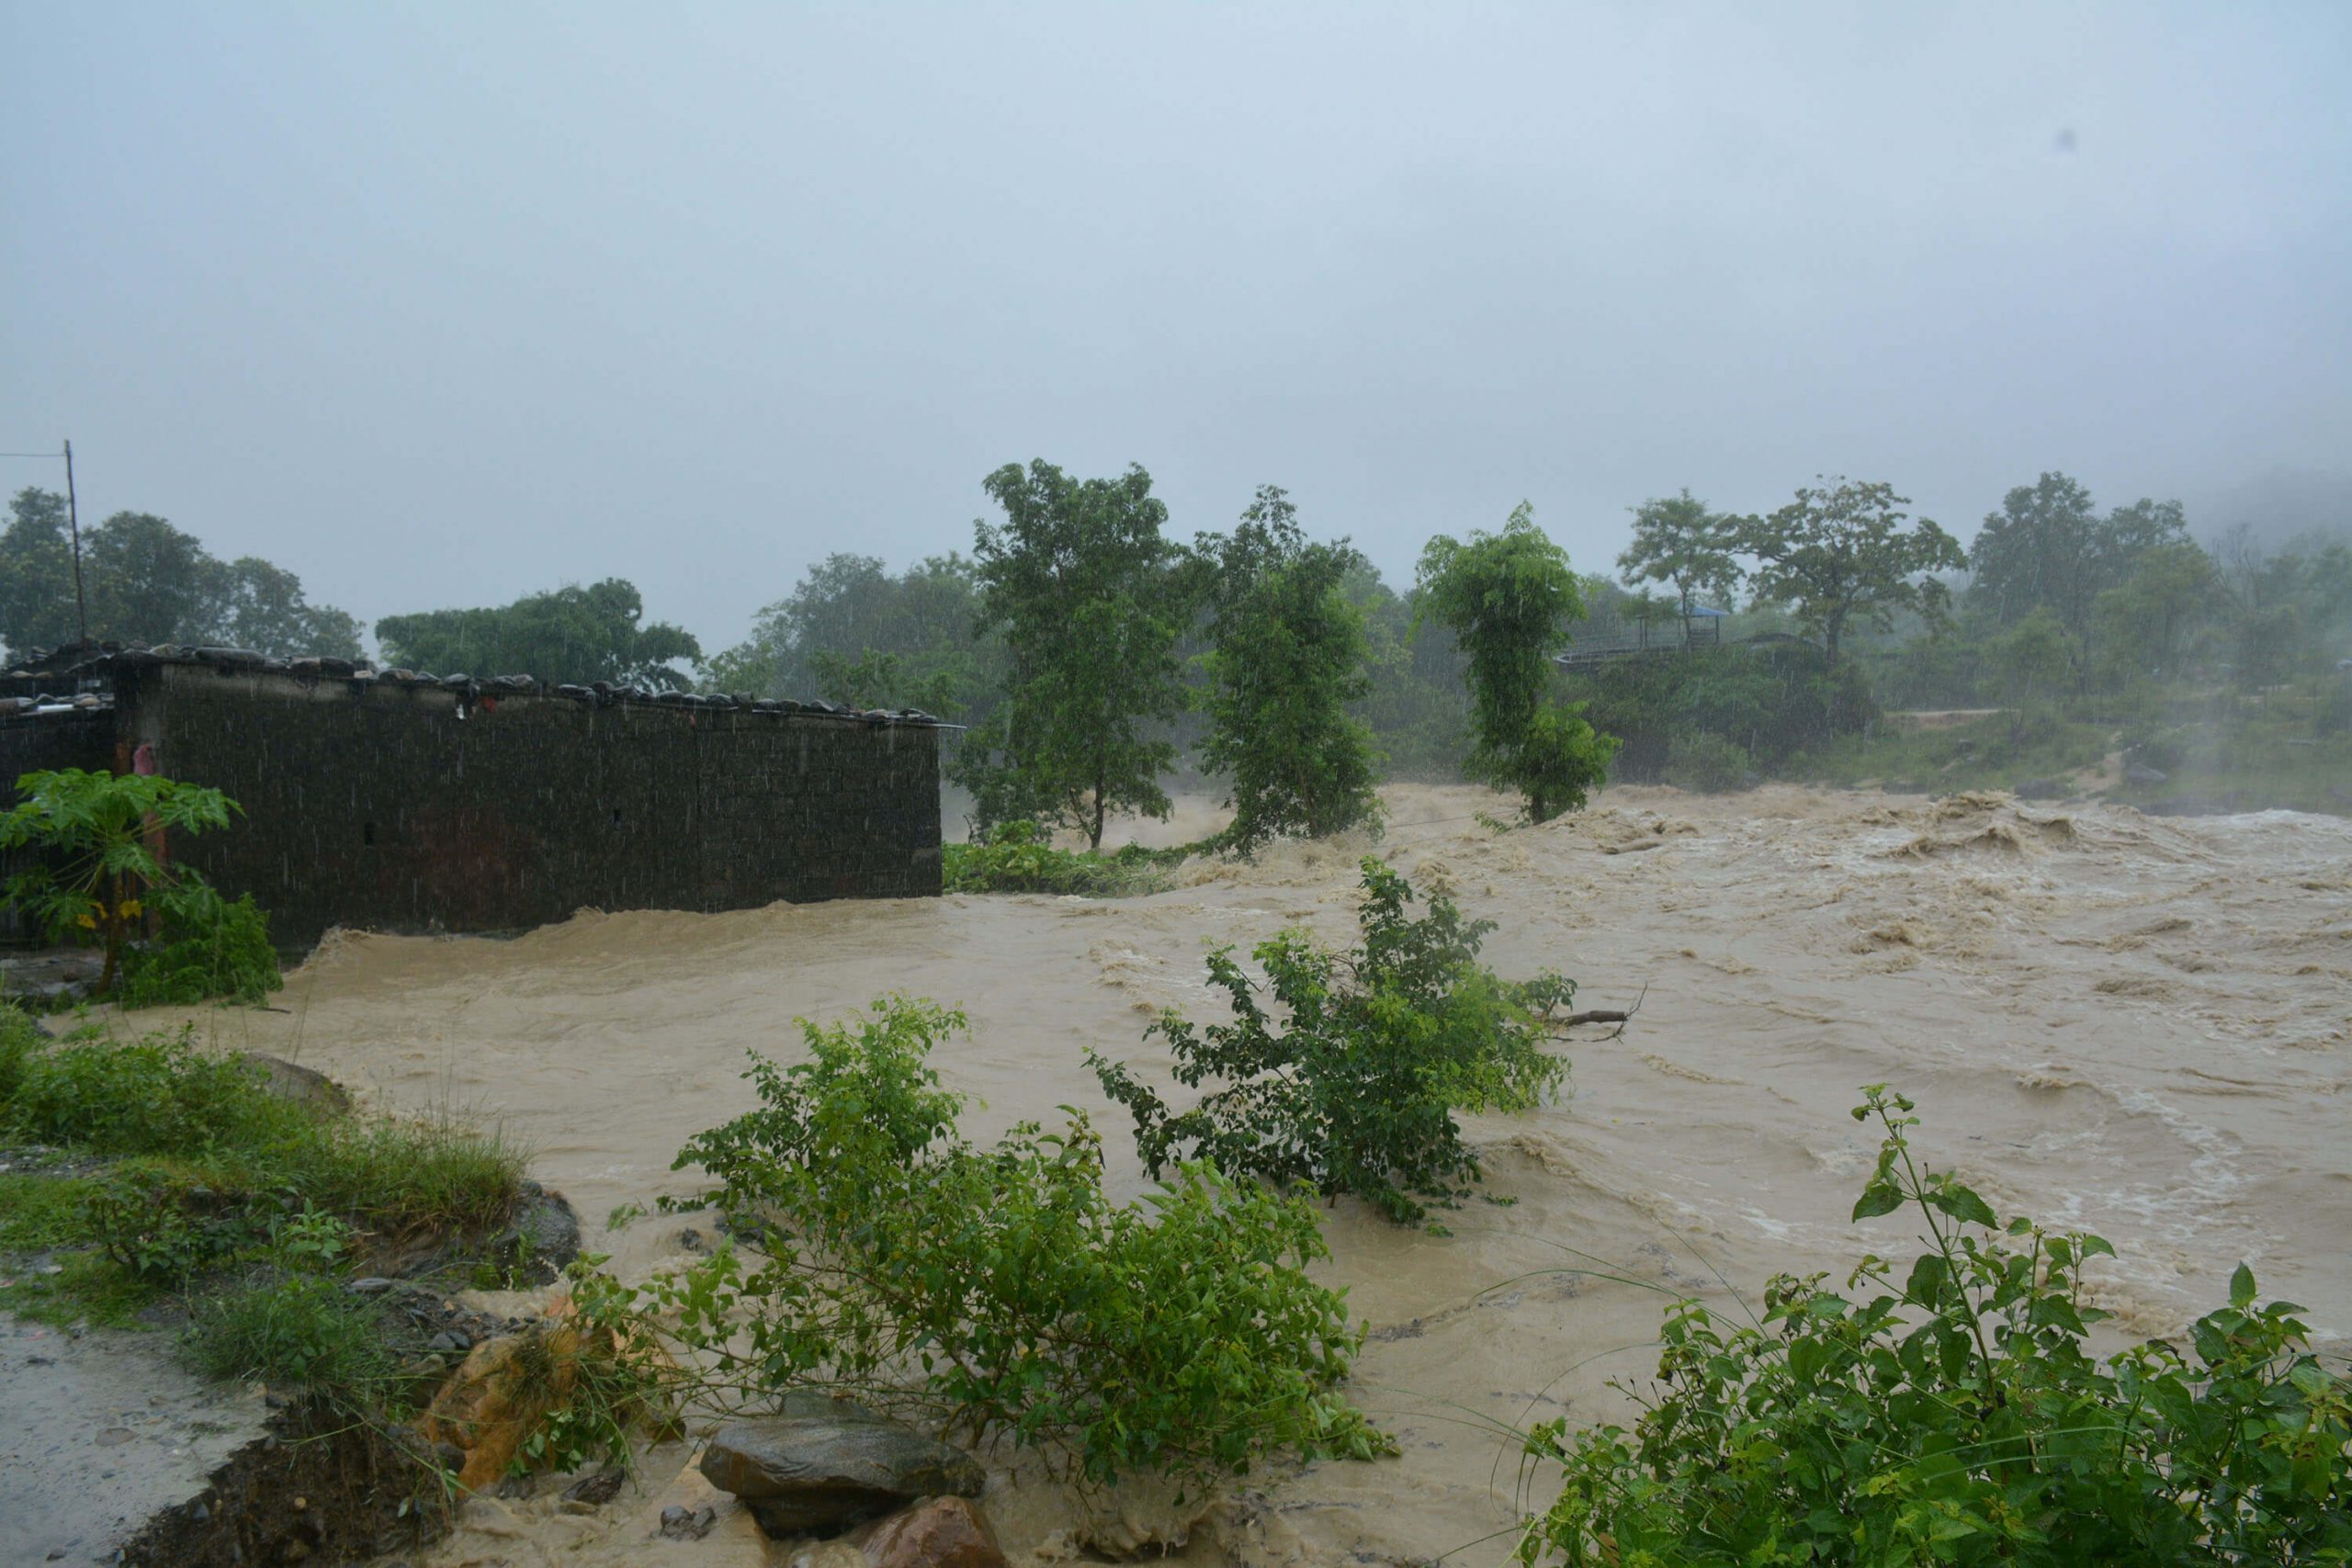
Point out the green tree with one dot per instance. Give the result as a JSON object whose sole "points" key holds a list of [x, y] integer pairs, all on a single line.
{"points": [[848, 615], [262, 607], [1678, 540], [1090, 600], [2042, 548], [1288, 657], [573, 634], [150, 582], [1509, 598], [1841, 552], [36, 574], [2146, 624]]}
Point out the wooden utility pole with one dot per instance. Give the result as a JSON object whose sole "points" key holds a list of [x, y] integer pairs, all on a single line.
{"points": [[74, 519]]}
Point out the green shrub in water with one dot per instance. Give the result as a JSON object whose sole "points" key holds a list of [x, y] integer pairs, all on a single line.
{"points": [[1018, 859], [996, 1290], [1356, 1090], [1956, 1416], [212, 949]]}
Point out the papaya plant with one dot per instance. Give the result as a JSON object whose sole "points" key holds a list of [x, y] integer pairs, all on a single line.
{"points": [[99, 866]]}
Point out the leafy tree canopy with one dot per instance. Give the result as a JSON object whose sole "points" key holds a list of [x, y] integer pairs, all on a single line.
{"points": [[573, 634], [1509, 598], [1678, 540], [1290, 654], [1841, 552], [148, 582], [2048, 547], [1090, 598], [851, 631]]}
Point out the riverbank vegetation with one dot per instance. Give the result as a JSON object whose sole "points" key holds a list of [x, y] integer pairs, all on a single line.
{"points": [[93, 868], [1349, 1082], [995, 1291], [1951, 1412], [148, 1179]]}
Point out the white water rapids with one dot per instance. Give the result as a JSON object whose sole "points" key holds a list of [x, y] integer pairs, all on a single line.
{"points": [[2138, 1026]]}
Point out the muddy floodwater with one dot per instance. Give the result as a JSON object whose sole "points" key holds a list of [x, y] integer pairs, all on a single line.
{"points": [[2133, 1025]]}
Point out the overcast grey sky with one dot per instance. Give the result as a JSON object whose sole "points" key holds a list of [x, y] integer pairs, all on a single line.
{"points": [[442, 304]]}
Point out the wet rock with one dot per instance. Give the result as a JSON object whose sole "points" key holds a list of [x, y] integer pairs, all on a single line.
{"points": [[596, 1488], [836, 1553], [303, 1086], [373, 1284], [938, 1532], [680, 1524], [2141, 774], [825, 1464]]}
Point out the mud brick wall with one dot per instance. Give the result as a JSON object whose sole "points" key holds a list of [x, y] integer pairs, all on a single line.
{"points": [[411, 809]]}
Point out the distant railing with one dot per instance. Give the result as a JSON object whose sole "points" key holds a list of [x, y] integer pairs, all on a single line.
{"points": [[1610, 635]]}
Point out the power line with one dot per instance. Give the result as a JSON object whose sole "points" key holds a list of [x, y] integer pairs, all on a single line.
{"points": [[51, 455]]}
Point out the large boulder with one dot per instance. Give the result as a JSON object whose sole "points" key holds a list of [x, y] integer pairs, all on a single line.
{"points": [[303, 1086], [825, 1464], [939, 1532]]}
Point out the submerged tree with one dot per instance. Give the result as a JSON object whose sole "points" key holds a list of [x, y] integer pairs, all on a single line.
{"points": [[1289, 654], [1509, 598], [573, 634], [1090, 600], [1840, 553]]}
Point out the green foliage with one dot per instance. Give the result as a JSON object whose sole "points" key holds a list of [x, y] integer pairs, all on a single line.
{"points": [[163, 1227], [2001, 751], [1377, 1048], [302, 1329], [96, 867], [146, 582], [1288, 656], [1707, 764], [1678, 540], [1090, 600], [88, 1288], [221, 1130], [1956, 1415], [1839, 555], [39, 1211], [1769, 700], [1016, 858], [572, 634], [213, 948], [882, 680], [1509, 598], [850, 631], [997, 1291]]}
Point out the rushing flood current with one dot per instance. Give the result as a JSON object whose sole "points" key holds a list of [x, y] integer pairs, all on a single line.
{"points": [[2138, 1026]]}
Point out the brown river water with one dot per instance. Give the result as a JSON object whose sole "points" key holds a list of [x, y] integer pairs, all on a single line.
{"points": [[2133, 1025]]}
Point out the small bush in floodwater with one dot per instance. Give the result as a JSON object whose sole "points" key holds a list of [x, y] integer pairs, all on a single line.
{"points": [[1017, 858], [1707, 764], [997, 1291], [1383, 1044], [1957, 1417]]}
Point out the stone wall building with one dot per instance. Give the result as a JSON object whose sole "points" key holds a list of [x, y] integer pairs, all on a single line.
{"points": [[396, 802]]}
